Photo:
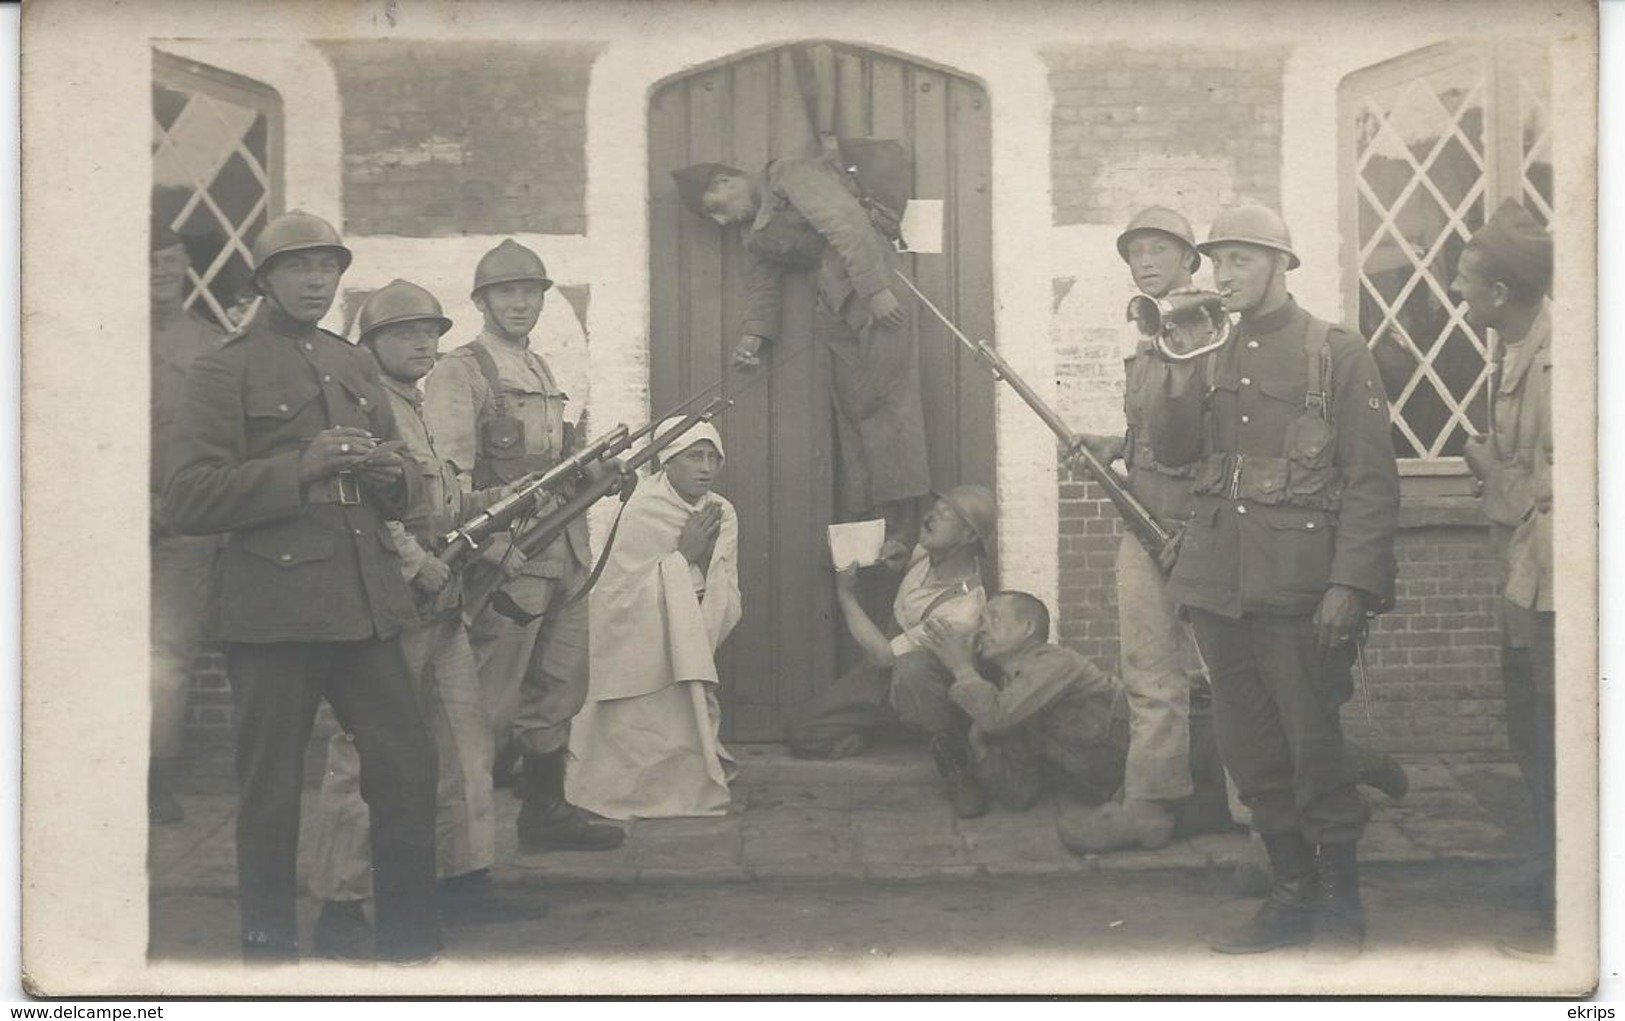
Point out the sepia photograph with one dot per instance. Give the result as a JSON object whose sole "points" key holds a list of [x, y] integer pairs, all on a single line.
{"points": [[715, 498]]}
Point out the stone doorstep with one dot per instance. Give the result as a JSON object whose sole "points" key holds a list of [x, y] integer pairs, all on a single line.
{"points": [[883, 765]]}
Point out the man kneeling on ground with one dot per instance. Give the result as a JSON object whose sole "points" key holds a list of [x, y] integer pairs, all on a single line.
{"points": [[899, 681], [1053, 719]]}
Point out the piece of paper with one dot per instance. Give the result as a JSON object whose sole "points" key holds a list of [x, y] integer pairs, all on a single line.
{"points": [[857, 543], [922, 226]]}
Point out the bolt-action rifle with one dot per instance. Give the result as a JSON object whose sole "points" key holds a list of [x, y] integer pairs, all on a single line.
{"points": [[622, 481], [1157, 540], [558, 480], [458, 543]]}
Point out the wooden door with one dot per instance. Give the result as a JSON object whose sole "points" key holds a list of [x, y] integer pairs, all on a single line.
{"points": [[779, 436]]}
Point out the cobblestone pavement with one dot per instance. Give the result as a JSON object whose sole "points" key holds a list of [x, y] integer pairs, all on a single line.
{"points": [[881, 817]]}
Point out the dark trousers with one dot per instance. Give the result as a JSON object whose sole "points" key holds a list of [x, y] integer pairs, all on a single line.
{"points": [[1528, 678], [1276, 702], [1016, 767], [276, 689], [868, 699]]}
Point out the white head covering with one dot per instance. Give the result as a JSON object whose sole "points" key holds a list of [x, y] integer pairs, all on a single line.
{"points": [[701, 430]]}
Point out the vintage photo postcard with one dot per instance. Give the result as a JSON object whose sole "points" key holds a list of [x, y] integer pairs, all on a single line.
{"points": [[434, 415]]}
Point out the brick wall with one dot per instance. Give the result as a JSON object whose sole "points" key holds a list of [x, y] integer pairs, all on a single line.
{"points": [[1432, 664], [1090, 534], [208, 705], [1434, 661], [1176, 122], [445, 139]]}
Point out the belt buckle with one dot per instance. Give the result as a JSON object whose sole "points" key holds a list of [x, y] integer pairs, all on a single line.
{"points": [[349, 489]]}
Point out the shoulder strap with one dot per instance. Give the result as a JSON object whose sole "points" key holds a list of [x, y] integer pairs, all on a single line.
{"points": [[488, 369], [943, 597], [1318, 360]]}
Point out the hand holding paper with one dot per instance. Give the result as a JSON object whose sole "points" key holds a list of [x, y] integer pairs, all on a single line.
{"points": [[856, 543]]}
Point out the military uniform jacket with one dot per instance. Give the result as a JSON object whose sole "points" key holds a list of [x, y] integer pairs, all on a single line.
{"points": [[177, 340], [1273, 545], [438, 505], [1519, 483], [298, 565], [1166, 492], [808, 219], [458, 401]]}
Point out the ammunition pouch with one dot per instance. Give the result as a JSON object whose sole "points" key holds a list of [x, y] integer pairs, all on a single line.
{"points": [[501, 452], [1272, 481]]}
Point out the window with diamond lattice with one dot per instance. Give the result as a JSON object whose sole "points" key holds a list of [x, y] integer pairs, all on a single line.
{"points": [[1431, 143], [216, 172]]}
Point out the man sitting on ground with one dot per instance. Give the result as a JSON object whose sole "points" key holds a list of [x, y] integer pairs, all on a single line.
{"points": [[900, 681], [1053, 719]]}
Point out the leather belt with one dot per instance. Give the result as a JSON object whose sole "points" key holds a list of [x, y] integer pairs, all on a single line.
{"points": [[341, 489]]}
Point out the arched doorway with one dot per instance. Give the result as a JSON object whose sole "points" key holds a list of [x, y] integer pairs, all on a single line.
{"points": [[745, 111]]}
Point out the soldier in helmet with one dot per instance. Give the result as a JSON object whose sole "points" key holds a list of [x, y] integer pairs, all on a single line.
{"points": [[1289, 546], [1502, 278], [288, 444], [180, 563], [1160, 250], [497, 414], [401, 324], [798, 216], [1158, 662]]}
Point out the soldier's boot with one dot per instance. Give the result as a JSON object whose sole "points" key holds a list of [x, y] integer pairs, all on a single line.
{"points": [[1339, 915], [1287, 916], [1251, 877], [162, 808], [547, 822], [504, 765], [953, 762], [1379, 770], [1114, 826]]}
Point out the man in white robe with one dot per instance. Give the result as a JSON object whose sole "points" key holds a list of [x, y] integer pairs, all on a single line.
{"points": [[646, 744]]}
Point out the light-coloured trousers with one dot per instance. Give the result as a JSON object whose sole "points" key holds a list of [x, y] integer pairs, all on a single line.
{"points": [[181, 565], [534, 676], [1158, 656], [442, 667]]}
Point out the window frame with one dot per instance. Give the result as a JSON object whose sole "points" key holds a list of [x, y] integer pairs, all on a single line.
{"points": [[1439, 481], [182, 74]]}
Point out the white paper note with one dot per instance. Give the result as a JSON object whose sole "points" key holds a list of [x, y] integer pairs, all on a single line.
{"points": [[857, 543], [922, 226]]}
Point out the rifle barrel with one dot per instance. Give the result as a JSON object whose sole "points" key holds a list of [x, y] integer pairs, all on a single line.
{"points": [[1157, 540]]}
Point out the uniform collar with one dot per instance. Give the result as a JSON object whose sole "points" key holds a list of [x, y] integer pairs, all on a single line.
{"points": [[283, 325], [1519, 356], [947, 576], [501, 341], [409, 391], [1274, 322], [1023, 659]]}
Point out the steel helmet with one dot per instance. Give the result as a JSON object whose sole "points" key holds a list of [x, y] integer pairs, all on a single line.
{"points": [[506, 263], [979, 509], [400, 301], [1251, 225], [1159, 220], [296, 231]]}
